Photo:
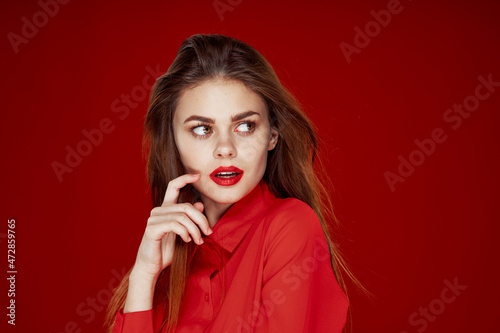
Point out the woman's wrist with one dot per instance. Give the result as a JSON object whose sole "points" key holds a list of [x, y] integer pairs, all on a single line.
{"points": [[140, 292], [137, 275]]}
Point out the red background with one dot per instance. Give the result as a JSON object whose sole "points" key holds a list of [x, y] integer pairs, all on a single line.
{"points": [[72, 236]]}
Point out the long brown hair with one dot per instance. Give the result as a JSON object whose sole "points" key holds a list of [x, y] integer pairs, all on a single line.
{"points": [[289, 171]]}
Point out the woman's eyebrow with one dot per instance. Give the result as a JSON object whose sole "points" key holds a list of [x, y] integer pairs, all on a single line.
{"points": [[199, 118], [234, 118], [243, 115]]}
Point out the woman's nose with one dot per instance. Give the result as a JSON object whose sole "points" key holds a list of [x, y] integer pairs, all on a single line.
{"points": [[225, 148]]}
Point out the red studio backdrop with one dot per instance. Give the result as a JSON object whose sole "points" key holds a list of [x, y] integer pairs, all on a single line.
{"points": [[406, 99]]}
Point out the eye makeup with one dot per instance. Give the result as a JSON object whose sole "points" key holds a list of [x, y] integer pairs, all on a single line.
{"points": [[202, 134]]}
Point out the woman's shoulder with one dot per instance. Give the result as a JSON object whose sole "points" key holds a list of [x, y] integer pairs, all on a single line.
{"points": [[290, 206], [292, 231], [292, 216]]}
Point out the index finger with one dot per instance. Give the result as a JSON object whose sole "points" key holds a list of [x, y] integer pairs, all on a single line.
{"points": [[172, 193]]}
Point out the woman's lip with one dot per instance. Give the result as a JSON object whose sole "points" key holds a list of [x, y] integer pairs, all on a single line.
{"points": [[227, 181], [225, 169]]}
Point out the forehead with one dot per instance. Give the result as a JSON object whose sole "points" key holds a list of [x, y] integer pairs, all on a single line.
{"points": [[219, 99]]}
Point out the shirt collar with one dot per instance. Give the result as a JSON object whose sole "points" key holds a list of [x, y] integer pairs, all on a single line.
{"points": [[234, 224]]}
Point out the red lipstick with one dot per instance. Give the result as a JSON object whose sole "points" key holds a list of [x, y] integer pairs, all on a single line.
{"points": [[226, 176]]}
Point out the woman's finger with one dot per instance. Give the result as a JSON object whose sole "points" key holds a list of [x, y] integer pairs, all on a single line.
{"points": [[173, 187], [191, 211], [199, 205], [156, 231], [182, 219]]}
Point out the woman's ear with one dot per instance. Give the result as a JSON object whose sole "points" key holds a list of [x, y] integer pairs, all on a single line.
{"points": [[273, 141]]}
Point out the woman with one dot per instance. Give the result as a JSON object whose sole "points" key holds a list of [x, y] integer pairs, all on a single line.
{"points": [[238, 241]]}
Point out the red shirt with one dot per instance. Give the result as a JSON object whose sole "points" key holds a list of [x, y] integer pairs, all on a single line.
{"points": [[277, 274]]}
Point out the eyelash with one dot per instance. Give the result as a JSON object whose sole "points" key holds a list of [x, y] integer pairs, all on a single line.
{"points": [[250, 123]]}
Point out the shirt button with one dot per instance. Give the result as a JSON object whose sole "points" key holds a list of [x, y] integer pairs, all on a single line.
{"points": [[206, 296]]}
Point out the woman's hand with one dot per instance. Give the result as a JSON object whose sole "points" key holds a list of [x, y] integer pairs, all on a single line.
{"points": [[157, 246], [166, 221]]}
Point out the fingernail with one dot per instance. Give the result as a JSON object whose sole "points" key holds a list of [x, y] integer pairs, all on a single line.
{"points": [[201, 241], [189, 239], [209, 231]]}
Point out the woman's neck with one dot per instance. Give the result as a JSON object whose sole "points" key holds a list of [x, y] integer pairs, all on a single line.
{"points": [[214, 210]]}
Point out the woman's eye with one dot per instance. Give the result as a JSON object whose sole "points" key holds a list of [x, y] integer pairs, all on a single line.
{"points": [[246, 127], [201, 130]]}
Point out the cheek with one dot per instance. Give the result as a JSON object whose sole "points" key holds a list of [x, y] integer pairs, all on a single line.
{"points": [[254, 151], [189, 157], [258, 143], [188, 152]]}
